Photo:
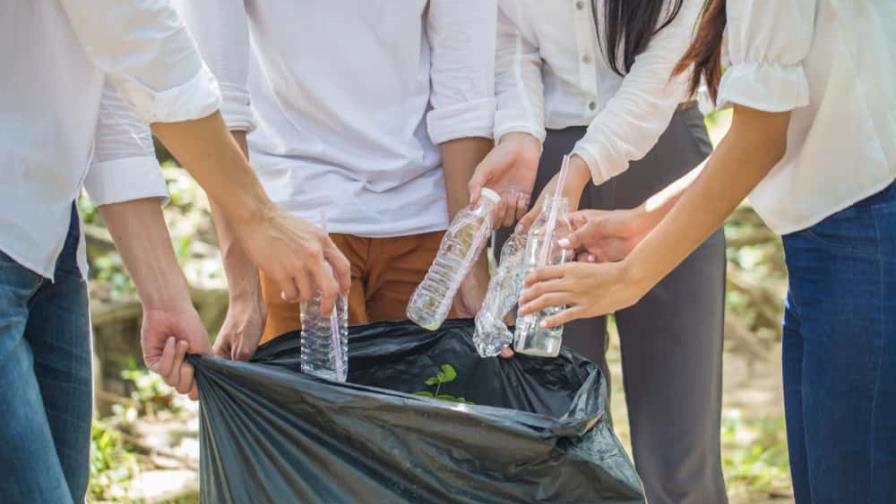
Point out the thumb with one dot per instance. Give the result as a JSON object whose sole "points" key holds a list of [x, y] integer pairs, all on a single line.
{"points": [[480, 177]]}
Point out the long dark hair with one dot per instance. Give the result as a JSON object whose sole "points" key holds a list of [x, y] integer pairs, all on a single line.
{"points": [[705, 52], [629, 25]]}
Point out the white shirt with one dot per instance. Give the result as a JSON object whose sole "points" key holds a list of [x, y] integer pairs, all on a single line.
{"points": [[551, 73], [56, 57], [349, 99], [833, 63]]}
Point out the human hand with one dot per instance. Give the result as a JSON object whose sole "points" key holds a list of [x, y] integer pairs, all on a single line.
{"points": [[167, 335], [577, 178], [242, 328], [509, 169], [471, 293], [584, 290], [297, 255], [607, 236]]}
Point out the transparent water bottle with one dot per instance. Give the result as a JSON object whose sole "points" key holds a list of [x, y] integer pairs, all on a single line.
{"points": [[491, 334], [463, 242], [530, 338], [325, 336]]}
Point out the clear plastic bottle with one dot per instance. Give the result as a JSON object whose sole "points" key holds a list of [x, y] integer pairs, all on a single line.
{"points": [[491, 334], [463, 242], [325, 340], [530, 338], [325, 336]]}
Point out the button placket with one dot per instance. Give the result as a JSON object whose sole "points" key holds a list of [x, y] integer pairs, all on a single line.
{"points": [[586, 43]]}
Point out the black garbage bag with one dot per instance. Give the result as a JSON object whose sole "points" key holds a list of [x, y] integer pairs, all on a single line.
{"points": [[423, 419]]}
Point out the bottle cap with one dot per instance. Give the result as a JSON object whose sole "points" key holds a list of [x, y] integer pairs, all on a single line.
{"points": [[491, 195]]}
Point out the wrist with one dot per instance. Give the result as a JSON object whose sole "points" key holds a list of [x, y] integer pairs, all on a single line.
{"points": [[521, 138]]}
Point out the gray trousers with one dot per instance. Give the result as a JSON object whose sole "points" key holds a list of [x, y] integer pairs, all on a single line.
{"points": [[672, 339]]}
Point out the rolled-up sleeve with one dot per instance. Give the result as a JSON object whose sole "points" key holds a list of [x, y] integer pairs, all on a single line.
{"points": [[767, 43], [518, 80], [221, 31], [634, 118], [124, 165], [147, 52], [461, 35]]}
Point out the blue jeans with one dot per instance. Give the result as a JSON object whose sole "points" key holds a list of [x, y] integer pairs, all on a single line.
{"points": [[840, 355], [45, 381]]}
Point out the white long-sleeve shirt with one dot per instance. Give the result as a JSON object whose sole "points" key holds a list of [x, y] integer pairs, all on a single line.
{"points": [[833, 63], [552, 73], [349, 99], [56, 57]]}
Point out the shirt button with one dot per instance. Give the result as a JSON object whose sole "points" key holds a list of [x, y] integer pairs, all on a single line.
{"points": [[580, 5], [586, 59], [592, 105]]}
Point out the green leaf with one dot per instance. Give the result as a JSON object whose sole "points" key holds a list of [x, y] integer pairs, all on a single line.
{"points": [[423, 393], [433, 380], [448, 374]]}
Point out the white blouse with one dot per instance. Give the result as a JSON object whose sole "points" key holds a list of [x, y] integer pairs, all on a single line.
{"points": [[551, 73], [833, 63]]}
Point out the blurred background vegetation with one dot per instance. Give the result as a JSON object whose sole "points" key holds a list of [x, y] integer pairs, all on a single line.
{"points": [[145, 446]]}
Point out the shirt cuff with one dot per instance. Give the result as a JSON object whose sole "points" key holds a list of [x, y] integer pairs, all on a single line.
{"points": [[126, 179], [600, 162], [764, 86], [236, 108], [519, 127], [471, 119], [197, 98]]}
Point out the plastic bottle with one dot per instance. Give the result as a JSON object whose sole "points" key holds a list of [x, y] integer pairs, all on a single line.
{"points": [[491, 334], [530, 338], [463, 242], [325, 336]]}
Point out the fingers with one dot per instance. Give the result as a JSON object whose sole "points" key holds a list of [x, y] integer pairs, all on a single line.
{"points": [[545, 301], [222, 347], [506, 353], [194, 393], [522, 204], [165, 362], [527, 220], [288, 290], [565, 316], [342, 268], [546, 273], [185, 382], [480, 177], [329, 289]]}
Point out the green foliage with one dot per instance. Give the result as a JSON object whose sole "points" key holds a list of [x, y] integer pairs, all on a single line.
{"points": [[151, 395], [446, 374], [111, 463], [760, 466]]}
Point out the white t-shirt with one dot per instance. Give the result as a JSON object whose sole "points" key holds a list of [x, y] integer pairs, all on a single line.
{"points": [[833, 63], [349, 99]]}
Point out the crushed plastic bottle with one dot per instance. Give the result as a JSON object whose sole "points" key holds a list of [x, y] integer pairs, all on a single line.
{"points": [[324, 346], [463, 242], [325, 340], [530, 338], [491, 334]]}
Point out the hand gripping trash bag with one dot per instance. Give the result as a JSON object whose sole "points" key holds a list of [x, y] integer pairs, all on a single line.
{"points": [[422, 419]]}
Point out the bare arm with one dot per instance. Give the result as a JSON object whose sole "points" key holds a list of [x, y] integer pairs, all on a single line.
{"points": [[756, 142], [289, 250], [244, 323], [171, 327]]}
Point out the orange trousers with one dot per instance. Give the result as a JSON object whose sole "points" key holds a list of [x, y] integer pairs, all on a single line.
{"points": [[385, 272]]}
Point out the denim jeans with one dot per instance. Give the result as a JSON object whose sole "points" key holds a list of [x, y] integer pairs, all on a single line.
{"points": [[840, 355], [45, 381]]}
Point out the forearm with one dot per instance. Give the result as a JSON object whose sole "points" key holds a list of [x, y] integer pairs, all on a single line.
{"points": [[459, 160], [746, 155], [242, 275], [139, 231], [206, 149]]}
